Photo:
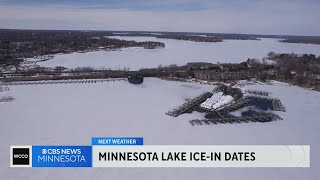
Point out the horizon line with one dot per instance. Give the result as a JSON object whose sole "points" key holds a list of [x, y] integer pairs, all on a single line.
{"points": [[255, 34]]}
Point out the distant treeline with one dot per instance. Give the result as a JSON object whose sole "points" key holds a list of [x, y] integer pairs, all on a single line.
{"points": [[29, 43], [303, 40], [218, 37], [191, 36]]}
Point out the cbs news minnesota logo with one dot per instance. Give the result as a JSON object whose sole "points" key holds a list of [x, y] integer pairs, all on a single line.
{"points": [[20, 156]]}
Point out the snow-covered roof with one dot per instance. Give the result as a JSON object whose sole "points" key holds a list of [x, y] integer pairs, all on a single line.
{"points": [[216, 101]]}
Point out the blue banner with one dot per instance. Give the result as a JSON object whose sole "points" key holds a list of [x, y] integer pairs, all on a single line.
{"points": [[118, 141], [61, 156]]}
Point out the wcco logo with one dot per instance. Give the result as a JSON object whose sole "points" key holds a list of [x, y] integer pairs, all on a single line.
{"points": [[20, 156]]}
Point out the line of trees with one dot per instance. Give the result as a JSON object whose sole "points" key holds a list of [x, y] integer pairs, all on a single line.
{"points": [[29, 43]]}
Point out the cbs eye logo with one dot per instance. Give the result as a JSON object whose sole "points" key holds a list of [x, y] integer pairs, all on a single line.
{"points": [[20, 156]]}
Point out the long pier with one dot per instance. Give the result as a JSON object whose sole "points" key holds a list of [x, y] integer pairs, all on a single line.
{"points": [[68, 81], [189, 104]]}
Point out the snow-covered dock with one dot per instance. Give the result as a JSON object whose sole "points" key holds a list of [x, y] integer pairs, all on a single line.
{"points": [[257, 117], [6, 99], [258, 93], [189, 104], [235, 106], [277, 105], [69, 81], [260, 102], [4, 88]]}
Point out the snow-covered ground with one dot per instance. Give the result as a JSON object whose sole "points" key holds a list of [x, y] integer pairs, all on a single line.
{"points": [[70, 114], [178, 52]]}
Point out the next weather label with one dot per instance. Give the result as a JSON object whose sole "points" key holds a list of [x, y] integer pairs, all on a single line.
{"points": [[61, 156]]}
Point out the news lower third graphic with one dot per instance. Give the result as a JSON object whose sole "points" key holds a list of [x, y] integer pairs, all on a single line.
{"points": [[61, 156], [131, 152]]}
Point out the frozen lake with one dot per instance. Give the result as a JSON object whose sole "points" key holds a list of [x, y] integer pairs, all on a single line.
{"points": [[70, 114], [179, 52]]}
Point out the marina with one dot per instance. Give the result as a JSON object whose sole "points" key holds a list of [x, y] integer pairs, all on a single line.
{"points": [[253, 106]]}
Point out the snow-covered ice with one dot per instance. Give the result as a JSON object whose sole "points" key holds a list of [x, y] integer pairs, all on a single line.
{"points": [[70, 114], [178, 52]]}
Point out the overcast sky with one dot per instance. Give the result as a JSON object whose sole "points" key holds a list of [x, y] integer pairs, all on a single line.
{"points": [[283, 17]]}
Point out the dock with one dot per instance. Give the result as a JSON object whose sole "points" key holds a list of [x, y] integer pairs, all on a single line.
{"points": [[4, 88], [260, 117], [258, 93], [189, 104], [68, 81], [277, 105], [274, 104]]}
